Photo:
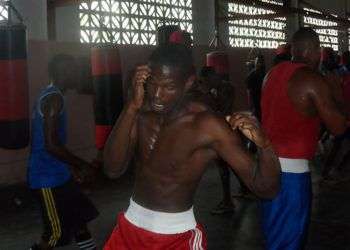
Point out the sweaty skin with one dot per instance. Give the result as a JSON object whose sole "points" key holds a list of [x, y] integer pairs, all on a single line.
{"points": [[313, 96], [172, 138]]}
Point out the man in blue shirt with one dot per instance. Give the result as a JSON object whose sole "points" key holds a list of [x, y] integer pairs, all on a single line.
{"points": [[65, 209]]}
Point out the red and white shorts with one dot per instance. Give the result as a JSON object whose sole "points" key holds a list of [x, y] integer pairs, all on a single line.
{"points": [[143, 229]]}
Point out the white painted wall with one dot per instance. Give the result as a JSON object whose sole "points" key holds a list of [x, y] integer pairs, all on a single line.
{"points": [[67, 24], [35, 17]]}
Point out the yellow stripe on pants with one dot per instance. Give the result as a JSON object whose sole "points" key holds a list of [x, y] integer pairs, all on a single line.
{"points": [[53, 217]]}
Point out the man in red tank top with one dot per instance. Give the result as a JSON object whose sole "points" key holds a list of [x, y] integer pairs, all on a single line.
{"points": [[295, 100]]}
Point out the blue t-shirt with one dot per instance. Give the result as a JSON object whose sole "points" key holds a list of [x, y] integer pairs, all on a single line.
{"points": [[45, 170]]}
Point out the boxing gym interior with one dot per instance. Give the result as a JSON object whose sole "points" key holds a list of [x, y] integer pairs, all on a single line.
{"points": [[108, 39]]}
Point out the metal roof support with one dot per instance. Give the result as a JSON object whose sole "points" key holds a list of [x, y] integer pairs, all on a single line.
{"points": [[293, 20]]}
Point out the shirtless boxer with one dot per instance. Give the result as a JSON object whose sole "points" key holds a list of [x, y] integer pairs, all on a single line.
{"points": [[295, 99], [172, 139]]}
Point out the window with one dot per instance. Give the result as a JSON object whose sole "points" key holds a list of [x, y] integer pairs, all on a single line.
{"points": [[3, 10], [328, 37], [262, 33], [131, 22]]}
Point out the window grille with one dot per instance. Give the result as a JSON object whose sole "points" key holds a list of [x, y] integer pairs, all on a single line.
{"points": [[3, 10], [131, 22], [261, 33], [328, 37]]}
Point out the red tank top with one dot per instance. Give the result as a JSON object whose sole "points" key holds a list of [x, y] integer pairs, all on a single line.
{"points": [[293, 135]]}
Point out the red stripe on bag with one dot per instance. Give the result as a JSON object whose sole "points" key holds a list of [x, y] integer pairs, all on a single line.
{"points": [[105, 61], [13, 90]]}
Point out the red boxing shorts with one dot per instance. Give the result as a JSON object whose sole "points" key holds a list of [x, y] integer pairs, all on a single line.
{"points": [[143, 229]]}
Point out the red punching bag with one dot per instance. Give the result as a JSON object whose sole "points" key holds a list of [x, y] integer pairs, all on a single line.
{"points": [[164, 32], [219, 61], [14, 110], [181, 37], [108, 86]]}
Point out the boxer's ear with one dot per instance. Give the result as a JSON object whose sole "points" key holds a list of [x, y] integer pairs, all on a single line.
{"points": [[189, 82]]}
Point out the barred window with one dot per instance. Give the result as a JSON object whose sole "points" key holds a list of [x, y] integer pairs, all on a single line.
{"points": [[3, 10], [328, 37], [131, 22], [261, 33]]}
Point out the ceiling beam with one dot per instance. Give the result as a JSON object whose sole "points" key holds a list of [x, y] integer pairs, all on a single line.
{"points": [[59, 3]]}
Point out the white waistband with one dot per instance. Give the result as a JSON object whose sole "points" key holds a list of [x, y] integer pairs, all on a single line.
{"points": [[160, 222], [296, 166]]}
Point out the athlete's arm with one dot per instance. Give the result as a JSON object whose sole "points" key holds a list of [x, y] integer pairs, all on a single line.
{"points": [[262, 176], [335, 84], [120, 145], [321, 96], [51, 107]]}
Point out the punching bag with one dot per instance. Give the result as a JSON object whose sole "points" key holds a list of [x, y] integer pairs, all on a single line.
{"points": [[181, 37], [14, 110], [108, 87], [219, 61]]}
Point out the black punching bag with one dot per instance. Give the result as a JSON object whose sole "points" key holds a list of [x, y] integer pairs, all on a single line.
{"points": [[108, 86], [14, 110]]}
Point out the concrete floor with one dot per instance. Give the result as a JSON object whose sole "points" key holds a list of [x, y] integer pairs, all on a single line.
{"points": [[20, 225]]}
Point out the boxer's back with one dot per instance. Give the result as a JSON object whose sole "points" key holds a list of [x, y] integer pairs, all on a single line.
{"points": [[288, 116]]}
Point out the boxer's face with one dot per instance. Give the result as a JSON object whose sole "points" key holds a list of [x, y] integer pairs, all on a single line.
{"points": [[165, 88]]}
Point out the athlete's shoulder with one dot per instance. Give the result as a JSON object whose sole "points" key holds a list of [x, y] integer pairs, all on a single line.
{"points": [[51, 104], [307, 74], [306, 79], [197, 107], [208, 120]]}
